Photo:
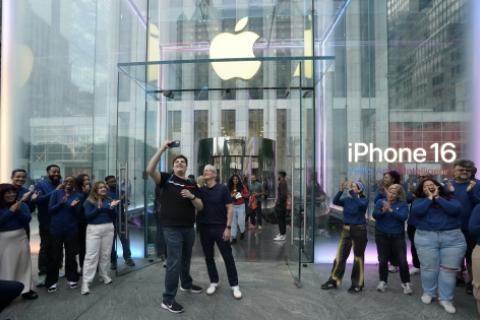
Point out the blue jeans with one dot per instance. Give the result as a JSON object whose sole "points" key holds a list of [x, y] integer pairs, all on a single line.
{"points": [[179, 241], [238, 219], [440, 254]]}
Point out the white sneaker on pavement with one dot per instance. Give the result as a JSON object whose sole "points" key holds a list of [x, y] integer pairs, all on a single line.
{"points": [[85, 289], [426, 298], [211, 289], [414, 271], [237, 294], [382, 286], [448, 306], [407, 289], [280, 237], [392, 269]]}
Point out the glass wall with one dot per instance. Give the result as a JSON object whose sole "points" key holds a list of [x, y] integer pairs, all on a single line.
{"points": [[399, 79]]}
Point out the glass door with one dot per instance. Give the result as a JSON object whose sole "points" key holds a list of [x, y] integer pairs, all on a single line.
{"points": [[128, 167], [200, 108]]}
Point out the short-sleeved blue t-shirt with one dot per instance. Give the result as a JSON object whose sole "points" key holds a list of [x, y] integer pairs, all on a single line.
{"points": [[214, 201]]}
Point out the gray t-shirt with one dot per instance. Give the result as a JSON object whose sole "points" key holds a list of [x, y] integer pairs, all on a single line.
{"points": [[257, 188]]}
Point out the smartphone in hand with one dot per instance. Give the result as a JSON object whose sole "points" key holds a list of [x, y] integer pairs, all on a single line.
{"points": [[174, 144]]}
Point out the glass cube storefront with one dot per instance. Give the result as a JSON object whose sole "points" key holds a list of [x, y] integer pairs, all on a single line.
{"points": [[326, 86]]}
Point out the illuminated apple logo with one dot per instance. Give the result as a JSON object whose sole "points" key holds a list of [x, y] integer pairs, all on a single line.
{"points": [[239, 45]]}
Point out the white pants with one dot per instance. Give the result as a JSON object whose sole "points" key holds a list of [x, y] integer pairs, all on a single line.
{"points": [[98, 250]]}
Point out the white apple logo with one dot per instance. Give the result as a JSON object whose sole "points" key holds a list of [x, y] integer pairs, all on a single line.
{"points": [[239, 45]]}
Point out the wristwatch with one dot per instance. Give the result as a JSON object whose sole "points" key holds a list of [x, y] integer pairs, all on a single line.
{"points": [[229, 227]]}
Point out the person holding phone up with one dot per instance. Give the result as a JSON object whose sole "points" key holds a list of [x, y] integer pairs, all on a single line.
{"points": [[177, 199]]}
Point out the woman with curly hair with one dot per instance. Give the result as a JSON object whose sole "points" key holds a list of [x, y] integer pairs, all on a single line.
{"points": [[439, 241], [15, 261]]}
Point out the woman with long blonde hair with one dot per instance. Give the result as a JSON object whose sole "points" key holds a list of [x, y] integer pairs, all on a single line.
{"points": [[390, 215], [99, 211]]}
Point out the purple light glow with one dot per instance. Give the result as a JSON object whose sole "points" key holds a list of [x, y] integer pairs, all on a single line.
{"points": [[325, 252]]}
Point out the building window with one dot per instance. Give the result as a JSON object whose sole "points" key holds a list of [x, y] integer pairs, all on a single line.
{"points": [[255, 123], [228, 123], [200, 124], [174, 125], [281, 143]]}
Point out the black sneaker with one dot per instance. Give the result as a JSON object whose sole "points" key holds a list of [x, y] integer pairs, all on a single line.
{"points": [[193, 289], [354, 289], [129, 262], [30, 295], [330, 284], [469, 288], [173, 307], [113, 266], [242, 235]]}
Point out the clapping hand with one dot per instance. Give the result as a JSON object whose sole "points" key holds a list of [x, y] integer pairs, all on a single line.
{"points": [[26, 196], [75, 202], [451, 188], [14, 207], [35, 196], [114, 203], [471, 185], [386, 206]]}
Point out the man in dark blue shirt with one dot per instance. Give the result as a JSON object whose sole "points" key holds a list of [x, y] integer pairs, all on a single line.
{"points": [[45, 188], [178, 202], [214, 223]]}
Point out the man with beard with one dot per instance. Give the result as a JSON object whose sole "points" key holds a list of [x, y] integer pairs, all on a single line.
{"points": [[178, 201], [45, 188], [467, 191]]}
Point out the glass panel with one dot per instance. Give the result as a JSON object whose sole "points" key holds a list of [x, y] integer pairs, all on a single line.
{"points": [[238, 140]]}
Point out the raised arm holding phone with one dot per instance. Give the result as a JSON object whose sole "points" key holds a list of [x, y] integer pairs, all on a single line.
{"points": [[178, 199]]}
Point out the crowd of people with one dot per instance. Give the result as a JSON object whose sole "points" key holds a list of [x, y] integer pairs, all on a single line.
{"points": [[443, 225], [79, 222]]}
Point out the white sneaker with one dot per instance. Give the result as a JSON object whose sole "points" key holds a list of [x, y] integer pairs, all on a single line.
{"points": [[426, 298], [85, 289], [414, 271], [382, 286], [41, 280], [392, 269], [277, 237], [237, 294], [106, 280], [448, 306], [407, 289], [73, 284], [280, 237], [212, 288], [52, 288]]}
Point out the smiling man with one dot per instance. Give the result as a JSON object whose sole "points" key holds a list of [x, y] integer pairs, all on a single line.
{"points": [[178, 201]]}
